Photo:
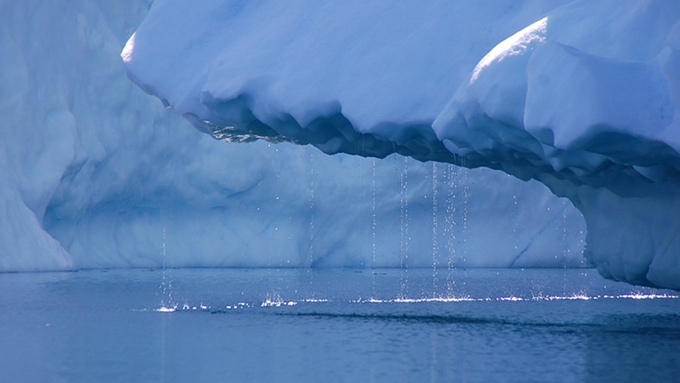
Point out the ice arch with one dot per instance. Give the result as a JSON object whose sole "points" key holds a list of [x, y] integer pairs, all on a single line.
{"points": [[584, 98], [96, 174]]}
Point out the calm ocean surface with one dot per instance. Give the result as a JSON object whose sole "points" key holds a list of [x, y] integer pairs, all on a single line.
{"points": [[337, 325]]}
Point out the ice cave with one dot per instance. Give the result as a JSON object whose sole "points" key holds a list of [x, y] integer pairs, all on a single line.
{"points": [[582, 99]]}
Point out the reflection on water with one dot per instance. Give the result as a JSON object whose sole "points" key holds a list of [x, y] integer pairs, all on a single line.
{"points": [[266, 325]]}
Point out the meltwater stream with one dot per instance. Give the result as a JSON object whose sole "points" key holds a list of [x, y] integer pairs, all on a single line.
{"points": [[246, 325]]}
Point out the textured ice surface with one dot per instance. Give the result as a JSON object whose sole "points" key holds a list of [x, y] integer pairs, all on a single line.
{"points": [[580, 95], [94, 173]]}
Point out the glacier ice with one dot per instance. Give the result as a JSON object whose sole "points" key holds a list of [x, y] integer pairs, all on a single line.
{"points": [[94, 174], [582, 96]]}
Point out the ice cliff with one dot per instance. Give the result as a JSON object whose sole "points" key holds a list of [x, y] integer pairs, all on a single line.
{"points": [[94, 173], [580, 95]]}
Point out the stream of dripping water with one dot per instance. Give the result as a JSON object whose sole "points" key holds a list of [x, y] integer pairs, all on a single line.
{"points": [[565, 246], [466, 196], [374, 226], [277, 203], [403, 228], [166, 279], [312, 187], [450, 227], [311, 209], [435, 231], [515, 226]]}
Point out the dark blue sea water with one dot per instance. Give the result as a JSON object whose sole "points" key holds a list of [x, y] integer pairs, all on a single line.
{"points": [[266, 325]]}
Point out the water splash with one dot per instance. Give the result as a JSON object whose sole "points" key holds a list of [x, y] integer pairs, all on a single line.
{"points": [[186, 307], [275, 300], [580, 296]]}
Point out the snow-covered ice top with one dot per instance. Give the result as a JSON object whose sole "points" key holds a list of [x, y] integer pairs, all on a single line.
{"points": [[581, 95], [336, 74], [370, 78]]}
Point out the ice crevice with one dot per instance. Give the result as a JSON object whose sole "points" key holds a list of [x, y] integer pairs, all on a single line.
{"points": [[582, 96], [526, 248]]}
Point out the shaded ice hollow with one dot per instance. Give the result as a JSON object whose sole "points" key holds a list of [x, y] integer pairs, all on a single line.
{"points": [[581, 96]]}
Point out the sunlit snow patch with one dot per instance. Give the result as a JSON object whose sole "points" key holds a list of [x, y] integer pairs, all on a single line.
{"points": [[128, 50], [515, 45]]}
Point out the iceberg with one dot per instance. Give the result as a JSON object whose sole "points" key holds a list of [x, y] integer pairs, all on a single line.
{"points": [[96, 174], [581, 96]]}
